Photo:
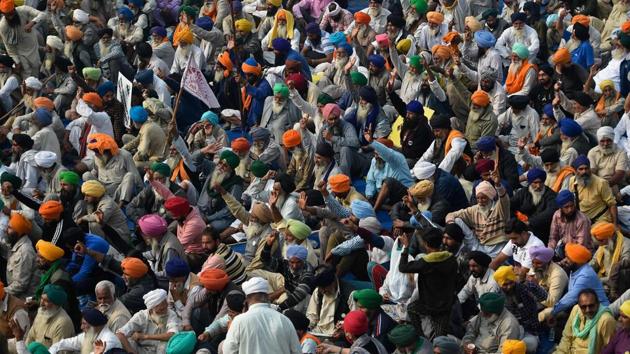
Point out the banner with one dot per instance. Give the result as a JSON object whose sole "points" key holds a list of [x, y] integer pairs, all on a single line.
{"points": [[123, 94], [195, 83]]}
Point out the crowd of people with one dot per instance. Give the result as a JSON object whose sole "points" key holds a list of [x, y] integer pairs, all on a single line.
{"points": [[315, 176]]}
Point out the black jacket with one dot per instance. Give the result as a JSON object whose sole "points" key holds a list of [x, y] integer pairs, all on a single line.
{"points": [[539, 215]]}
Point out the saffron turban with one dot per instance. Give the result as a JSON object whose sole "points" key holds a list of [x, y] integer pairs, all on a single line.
{"points": [[51, 209], [44, 102], [93, 98], [480, 98], [48, 250], [514, 346], [603, 231], [20, 224], [577, 253], [435, 17], [362, 18], [561, 56], [102, 142], [441, 51], [214, 279], [240, 144], [339, 183], [581, 19], [134, 267], [291, 138], [185, 36], [7, 6], [73, 33], [250, 66]]}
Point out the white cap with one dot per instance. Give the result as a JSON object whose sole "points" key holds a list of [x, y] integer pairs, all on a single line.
{"points": [[256, 285], [54, 42], [45, 159], [80, 16], [231, 113], [33, 82], [423, 170]]}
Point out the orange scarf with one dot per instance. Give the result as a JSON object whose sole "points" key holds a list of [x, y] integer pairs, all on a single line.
{"points": [[180, 171], [449, 141], [601, 104], [564, 173], [515, 81], [247, 99], [535, 150]]}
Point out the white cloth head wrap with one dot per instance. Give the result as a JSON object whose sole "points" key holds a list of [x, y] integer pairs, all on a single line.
{"points": [[605, 132], [33, 82], [231, 113], [54, 42], [154, 298], [45, 159], [423, 170], [256, 285], [371, 224], [80, 16]]}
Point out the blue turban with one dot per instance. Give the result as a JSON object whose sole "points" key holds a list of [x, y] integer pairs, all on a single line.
{"points": [[176, 268], [485, 39], [362, 209], [564, 196], [43, 116], [569, 127], [144, 76], [297, 251], [106, 87], [415, 107], [211, 117], [313, 28], [281, 45], [126, 13], [536, 173], [159, 30], [580, 161], [548, 110], [377, 60], [137, 3], [237, 6], [94, 317], [486, 143], [259, 133], [138, 114], [204, 22], [369, 94], [347, 48], [518, 16], [446, 344], [337, 38]]}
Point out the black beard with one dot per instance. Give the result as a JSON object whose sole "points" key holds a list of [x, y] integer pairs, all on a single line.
{"points": [[569, 217], [14, 21], [66, 196]]}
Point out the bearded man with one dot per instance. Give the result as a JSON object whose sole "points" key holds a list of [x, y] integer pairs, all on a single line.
{"points": [[161, 46], [18, 37], [52, 323], [106, 302], [54, 47], [185, 49], [49, 169], [266, 149], [21, 272], [449, 146], [548, 275], [150, 142], [536, 204], [595, 198], [481, 119], [571, 75], [240, 146], [581, 106], [518, 33], [362, 34], [521, 120], [70, 194], [164, 246], [574, 142], [149, 201], [377, 14], [608, 161], [337, 73], [428, 36], [325, 164], [557, 175], [94, 327], [124, 29], [302, 161], [521, 76], [150, 329], [412, 84], [23, 163], [283, 27], [279, 113], [109, 54]]}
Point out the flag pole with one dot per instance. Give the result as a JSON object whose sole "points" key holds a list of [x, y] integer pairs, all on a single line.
{"points": [[172, 133], [237, 67]]}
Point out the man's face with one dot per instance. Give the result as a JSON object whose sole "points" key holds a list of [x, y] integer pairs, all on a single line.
{"points": [[160, 309], [568, 209], [608, 92], [543, 77], [476, 270], [578, 108], [374, 5], [491, 21], [16, 149], [583, 171], [486, 84], [589, 305], [278, 188], [518, 25], [440, 133], [606, 143], [624, 321], [46, 304], [7, 188], [208, 244], [314, 37], [391, 28], [103, 297], [537, 264], [85, 327], [295, 264], [482, 199], [70, 188], [373, 69], [518, 238], [332, 120], [537, 185], [41, 262], [329, 289], [106, 39], [109, 96], [321, 160], [90, 199], [279, 99], [508, 286], [449, 242]]}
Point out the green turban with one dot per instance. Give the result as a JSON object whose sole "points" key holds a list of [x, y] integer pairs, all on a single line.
{"points": [[56, 294], [91, 73], [298, 229], [182, 343], [414, 61], [624, 39], [188, 10], [358, 79], [161, 168], [11, 178], [488, 13], [420, 5], [281, 89], [324, 99], [492, 302], [259, 168], [403, 335], [368, 298], [230, 158], [520, 50], [37, 348], [69, 177]]}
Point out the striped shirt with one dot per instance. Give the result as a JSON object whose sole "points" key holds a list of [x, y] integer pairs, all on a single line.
{"points": [[233, 265]]}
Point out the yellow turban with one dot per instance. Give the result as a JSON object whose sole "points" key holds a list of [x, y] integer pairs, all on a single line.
{"points": [[275, 3], [48, 250], [404, 45], [513, 346], [503, 274], [93, 188], [243, 25], [606, 83], [422, 189], [288, 17], [472, 23], [625, 308]]}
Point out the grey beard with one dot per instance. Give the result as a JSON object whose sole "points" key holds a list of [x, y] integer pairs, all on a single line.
{"points": [[104, 308], [217, 177], [254, 229], [536, 195], [282, 31], [607, 151], [159, 320], [486, 208], [277, 107], [363, 111], [218, 75], [340, 63], [155, 246], [515, 66], [185, 51], [374, 12], [47, 314]]}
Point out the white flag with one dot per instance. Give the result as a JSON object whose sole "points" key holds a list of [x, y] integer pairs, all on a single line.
{"points": [[195, 83]]}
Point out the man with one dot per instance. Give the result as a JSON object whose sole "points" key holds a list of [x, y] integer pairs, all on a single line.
{"points": [[594, 196], [94, 327], [149, 201], [326, 305], [164, 246], [558, 176], [613, 249], [521, 76], [21, 261], [520, 121], [536, 204], [103, 217], [493, 23], [260, 329], [549, 275], [113, 167], [520, 240], [45, 138], [543, 93], [481, 119], [481, 278], [339, 133], [388, 177], [572, 75], [52, 323], [12, 309], [148, 145], [379, 323], [185, 49], [619, 341], [608, 160], [283, 28], [489, 148], [109, 53], [378, 77], [489, 58], [162, 47], [279, 113], [23, 162], [341, 196], [405, 339], [355, 331], [50, 170], [436, 284], [190, 225], [492, 326], [212, 246], [448, 147], [574, 141], [18, 37], [519, 33], [70, 195], [302, 160], [428, 36], [590, 326], [106, 302], [580, 106], [415, 132], [317, 48], [113, 108], [148, 331], [180, 284], [266, 149], [325, 164]]}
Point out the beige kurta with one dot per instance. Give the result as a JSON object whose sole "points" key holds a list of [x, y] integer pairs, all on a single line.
{"points": [[141, 322], [117, 316], [573, 345], [22, 46], [605, 165], [149, 144], [51, 330], [554, 280]]}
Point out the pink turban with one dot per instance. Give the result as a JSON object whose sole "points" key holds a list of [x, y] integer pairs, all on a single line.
{"points": [[486, 189], [214, 262], [152, 225], [331, 108]]}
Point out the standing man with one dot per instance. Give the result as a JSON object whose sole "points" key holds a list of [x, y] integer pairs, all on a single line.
{"points": [[18, 37]]}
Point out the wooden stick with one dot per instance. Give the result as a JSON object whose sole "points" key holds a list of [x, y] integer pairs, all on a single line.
{"points": [[237, 66], [19, 105]]}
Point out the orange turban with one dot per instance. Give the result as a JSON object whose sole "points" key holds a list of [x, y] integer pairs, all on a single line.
{"points": [[480, 98], [48, 250], [44, 102], [94, 99], [441, 51], [240, 144], [7, 6], [603, 230], [51, 209], [251, 69], [625, 27], [102, 142], [339, 183], [362, 18], [73, 33], [561, 56], [577, 253], [214, 279], [291, 138], [581, 19], [184, 36], [448, 38], [224, 59], [134, 267], [20, 224], [435, 17], [281, 15]]}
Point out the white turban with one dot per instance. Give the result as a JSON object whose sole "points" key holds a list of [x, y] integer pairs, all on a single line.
{"points": [[45, 159], [33, 82], [154, 298], [423, 170], [81, 16], [231, 113], [54, 42], [336, 10], [371, 224], [255, 285], [605, 132]]}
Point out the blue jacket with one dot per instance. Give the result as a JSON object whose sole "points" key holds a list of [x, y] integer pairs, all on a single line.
{"points": [[259, 92], [624, 83], [449, 188], [583, 278], [88, 264], [190, 107], [395, 166]]}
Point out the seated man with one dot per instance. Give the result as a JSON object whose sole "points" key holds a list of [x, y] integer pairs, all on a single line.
{"points": [[94, 326], [595, 198], [379, 322], [613, 249], [520, 240], [279, 112], [489, 330], [328, 302], [106, 302], [52, 323], [608, 160], [356, 331], [302, 161], [212, 246], [568, 225], [549, 275], [341, 195], [148, 331], [135, 274], [481, 278], [163, 245], [590, 326]]}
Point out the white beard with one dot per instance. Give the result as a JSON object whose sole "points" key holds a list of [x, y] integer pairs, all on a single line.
{"points": [[67, 49], [282, 31], [184, 51], [566, 144], [363, 111], [104, 308], [424, 206], [519, 35], [155, 246], [607, 151], [341, 62], [515, 67], [254, 229], [536, 195], [159, 320], [103, 48], [218, 75], [218, 176], [617, 53], [374, 12], [277, 107], [363, 32], [47, 314], [486, 209]]}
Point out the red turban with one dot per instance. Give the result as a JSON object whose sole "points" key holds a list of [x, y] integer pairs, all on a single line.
{"points": [[362, 18], [240, 144], [177, 206], [355, 323]]}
